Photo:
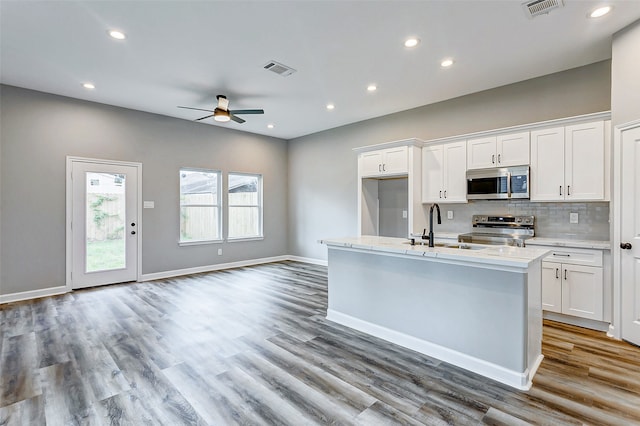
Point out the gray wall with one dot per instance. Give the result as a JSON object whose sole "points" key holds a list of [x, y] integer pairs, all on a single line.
{"points": [[38, 132], [625, 72], [323, 167]]}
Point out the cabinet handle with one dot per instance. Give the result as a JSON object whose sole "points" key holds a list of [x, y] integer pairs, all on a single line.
{"points": [[493, 159], [561, 255], [445, 193], [560, 189], [380, 167], [568, 190], [499, 160], [440, 194], [557, 273], [565, 274], [383, 169]]}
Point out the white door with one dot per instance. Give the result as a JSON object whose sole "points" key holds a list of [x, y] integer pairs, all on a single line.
{"points": [[371, 163], [551, 287], [103, 225], [432, 173], [481, 153], [395, 160], [630, 235], [455, 179], [547, 164], [584, 161], [582, 291], [513, 149]]}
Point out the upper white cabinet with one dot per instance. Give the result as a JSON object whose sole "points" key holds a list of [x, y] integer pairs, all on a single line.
{"points": [[384, 162], [444, 173], [498, 151], [570, 163]]}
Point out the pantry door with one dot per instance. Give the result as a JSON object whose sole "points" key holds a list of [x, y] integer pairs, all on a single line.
{"points": [[103, 227], [629, 240]]}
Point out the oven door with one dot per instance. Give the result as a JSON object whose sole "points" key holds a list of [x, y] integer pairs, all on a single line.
{"points": [[496, 184]]}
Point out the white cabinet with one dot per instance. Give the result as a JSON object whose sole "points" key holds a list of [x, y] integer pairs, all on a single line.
{"points": [[498, 151], [570, 163], [444, 173], [572, 283], [384, 162]]}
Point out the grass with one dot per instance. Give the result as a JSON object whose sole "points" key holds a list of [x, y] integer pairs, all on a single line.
{"points": [[105, 255]]}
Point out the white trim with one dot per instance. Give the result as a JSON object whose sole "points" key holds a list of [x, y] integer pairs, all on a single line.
{"points": [[240, 239], [310, 260], [211, 268], [69, 208], [199, 243], [393, 144], [577, 321], [516, 379], [33, 294], [616, 217]]}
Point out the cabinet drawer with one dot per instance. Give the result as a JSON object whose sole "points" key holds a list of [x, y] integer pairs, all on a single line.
{"points": [[575, 257]]}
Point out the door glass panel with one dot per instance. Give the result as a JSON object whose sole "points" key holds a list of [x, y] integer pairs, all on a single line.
{"points": [[105, 227]]}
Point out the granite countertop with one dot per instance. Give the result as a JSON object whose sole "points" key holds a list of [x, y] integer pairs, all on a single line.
{"points": [[559, 242], [477, 254]]}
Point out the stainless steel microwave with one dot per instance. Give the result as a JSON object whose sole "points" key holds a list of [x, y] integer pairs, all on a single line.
{"points": [[498, 184]]}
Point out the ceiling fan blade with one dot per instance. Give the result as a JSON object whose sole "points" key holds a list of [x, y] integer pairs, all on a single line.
{"points": [[236, 119], [202, 118], [197, 109], [247, 111]]}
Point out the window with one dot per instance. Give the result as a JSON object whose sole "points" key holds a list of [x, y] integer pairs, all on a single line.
{"points": [[245, 206], [200, 218]]}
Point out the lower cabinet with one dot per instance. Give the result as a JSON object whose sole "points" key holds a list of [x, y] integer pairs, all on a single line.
{"points": [[571, 286]]}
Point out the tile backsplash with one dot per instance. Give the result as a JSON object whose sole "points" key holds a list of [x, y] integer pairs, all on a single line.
{"points": [[552, 219]]}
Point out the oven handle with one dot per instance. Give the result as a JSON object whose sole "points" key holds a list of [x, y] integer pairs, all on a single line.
{"points": [[509, 185]]}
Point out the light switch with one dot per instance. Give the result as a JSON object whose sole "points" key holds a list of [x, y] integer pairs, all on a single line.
{"points": [[219, 252], [149, 204], [404, 214], [449, 214], [573, 217]]}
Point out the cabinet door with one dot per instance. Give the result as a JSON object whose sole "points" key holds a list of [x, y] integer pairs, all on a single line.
{"points": [[584, 162], [395, 160], [547, 165], [432, 173], [481, 153], [551, 287], [455, 173], [513, 149], [371, 163], [582, 294]]}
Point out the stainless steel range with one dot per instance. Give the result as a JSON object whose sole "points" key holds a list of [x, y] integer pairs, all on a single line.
{"points": [[500, 230]]}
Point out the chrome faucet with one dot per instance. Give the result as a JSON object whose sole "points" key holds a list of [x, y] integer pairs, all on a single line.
{"points": [[431, 222]]}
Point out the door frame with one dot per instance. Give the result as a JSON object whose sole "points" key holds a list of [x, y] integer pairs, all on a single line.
{"points": [[615, 329], [69, 212]]}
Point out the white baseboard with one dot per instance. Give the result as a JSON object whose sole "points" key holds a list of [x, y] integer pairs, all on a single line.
{"points": [[580, 322], [308, 260], [32, 294], [211, 268], [516, 379]]}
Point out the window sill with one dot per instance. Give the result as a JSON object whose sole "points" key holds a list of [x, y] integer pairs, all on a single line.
{"points": [[199, 243], [238, 239]]}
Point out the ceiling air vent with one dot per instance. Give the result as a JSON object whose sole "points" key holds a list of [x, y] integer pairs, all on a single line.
{"points": [[279, 68], [540, 7]]}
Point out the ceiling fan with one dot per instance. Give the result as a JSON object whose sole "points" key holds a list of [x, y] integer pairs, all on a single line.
{"points": [[222, 113]]}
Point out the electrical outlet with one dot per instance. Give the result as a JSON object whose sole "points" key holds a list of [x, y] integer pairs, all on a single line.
{"points": [[404, 214], [219, 252], [449, 214], [573, 217]]}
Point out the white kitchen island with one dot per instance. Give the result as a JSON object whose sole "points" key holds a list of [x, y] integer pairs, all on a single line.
{"points": [[479, 309]]}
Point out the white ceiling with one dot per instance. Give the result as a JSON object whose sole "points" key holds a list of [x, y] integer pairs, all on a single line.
{"points": [[187, 52]]}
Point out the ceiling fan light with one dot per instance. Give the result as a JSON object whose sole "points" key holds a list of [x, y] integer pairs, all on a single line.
{"points": [[221, 115]]}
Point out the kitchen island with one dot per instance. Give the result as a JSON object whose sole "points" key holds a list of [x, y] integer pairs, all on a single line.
{"points": [[477, 307]]}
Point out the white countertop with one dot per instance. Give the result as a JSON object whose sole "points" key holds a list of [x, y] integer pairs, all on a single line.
{"points": [[557, 242], [479, 255]]}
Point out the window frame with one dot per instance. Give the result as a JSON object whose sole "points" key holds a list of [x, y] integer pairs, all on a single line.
{"points": [[260, 206], [219, 206]]}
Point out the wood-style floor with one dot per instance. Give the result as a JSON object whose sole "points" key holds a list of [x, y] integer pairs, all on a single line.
{"points": [[251, 346]]}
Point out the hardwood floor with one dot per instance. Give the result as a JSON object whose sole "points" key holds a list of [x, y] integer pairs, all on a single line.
{"points": [[251, 346]]}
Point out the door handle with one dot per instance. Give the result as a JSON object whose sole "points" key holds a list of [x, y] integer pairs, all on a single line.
{"points": [[560, 189], [625, 246], [440, 194], [565, 274], [133, 224], [499, 160], [557, 270], [383, 169], [379, 167], [445, 193], [133, 232], [493, 159], [568, 190]]}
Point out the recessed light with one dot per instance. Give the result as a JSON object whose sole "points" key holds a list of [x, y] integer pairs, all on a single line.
{"points": [[372, 88], [89, 86], [330, 106], [446, 63], [270, 126], [117, 35], [411, 42], [601, 11]]}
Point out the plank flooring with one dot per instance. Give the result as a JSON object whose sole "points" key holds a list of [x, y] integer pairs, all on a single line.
{"points": [[251, 346]]}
